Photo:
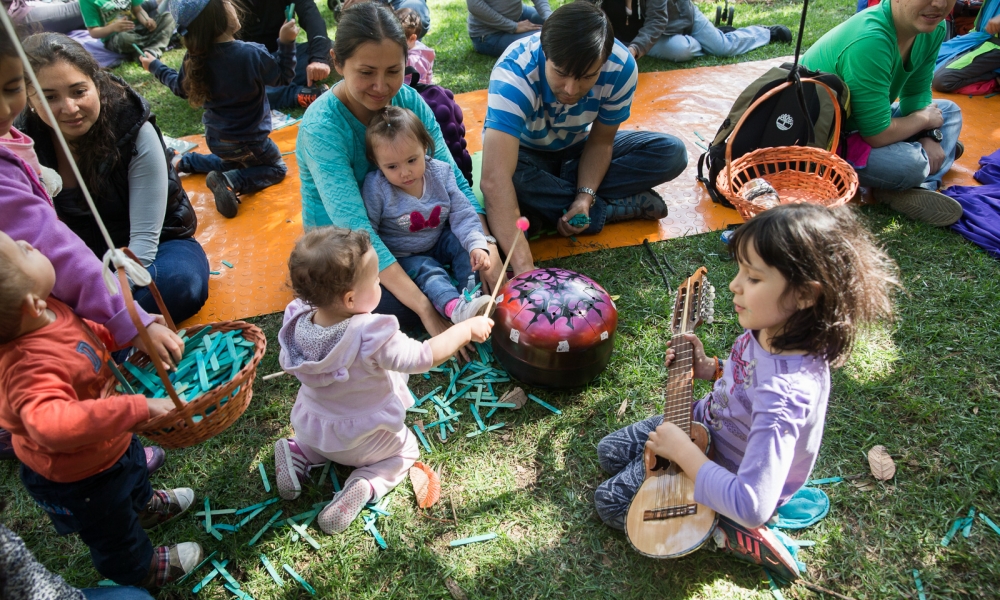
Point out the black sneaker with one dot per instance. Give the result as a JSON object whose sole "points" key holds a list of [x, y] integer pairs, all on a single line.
{"points": [[226, 201], [780, 34], [646, 205], [959, 149], [759, 546], [308, 95]]}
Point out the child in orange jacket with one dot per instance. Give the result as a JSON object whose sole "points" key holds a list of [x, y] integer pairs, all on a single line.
{"points": [[79, 460]]}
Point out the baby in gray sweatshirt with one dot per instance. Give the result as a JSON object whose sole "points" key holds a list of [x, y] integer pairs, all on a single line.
{"points": [[416, 208]]}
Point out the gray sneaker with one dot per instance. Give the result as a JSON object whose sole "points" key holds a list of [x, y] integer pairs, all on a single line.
{"points": [[646, 205], [933, 208]]}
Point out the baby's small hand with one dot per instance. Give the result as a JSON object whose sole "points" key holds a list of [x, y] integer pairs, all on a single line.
{"points": [[480, 328], [288, 32], [146, 59], [480, 260]]}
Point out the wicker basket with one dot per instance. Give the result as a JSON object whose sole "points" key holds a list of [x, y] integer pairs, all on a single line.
{"points": [[216, 409], [797, 173]]}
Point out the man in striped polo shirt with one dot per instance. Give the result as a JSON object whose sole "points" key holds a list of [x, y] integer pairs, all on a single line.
{"points": [[551, 145]]}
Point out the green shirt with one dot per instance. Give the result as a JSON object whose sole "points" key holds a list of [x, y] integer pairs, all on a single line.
{"points": [[864, 52], [98, 13]]}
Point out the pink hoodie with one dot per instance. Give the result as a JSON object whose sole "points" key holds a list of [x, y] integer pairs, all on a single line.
{"points": [[359, 388], [26, 213]]}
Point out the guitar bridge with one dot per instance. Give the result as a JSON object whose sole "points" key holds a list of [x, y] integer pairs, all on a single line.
{"points": [[669, 512]]}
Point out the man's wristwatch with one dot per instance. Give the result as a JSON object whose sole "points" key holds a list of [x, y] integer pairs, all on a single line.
{"points": [[586, 190], [934, 134], [491, 240]]}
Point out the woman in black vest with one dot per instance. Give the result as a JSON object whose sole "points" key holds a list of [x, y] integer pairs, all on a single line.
{"points": [[115, 142]]}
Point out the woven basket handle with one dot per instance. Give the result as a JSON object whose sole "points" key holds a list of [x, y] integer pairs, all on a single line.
{"points": [[130, 304], [732, 136]]}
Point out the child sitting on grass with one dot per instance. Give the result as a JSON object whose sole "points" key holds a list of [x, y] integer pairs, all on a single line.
{"points": [[419, 55], [79, 460], [416, 208], [353, 366], [121, 25], [809, 278], [228, 77]]}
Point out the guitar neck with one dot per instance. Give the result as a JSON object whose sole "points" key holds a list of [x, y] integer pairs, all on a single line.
{"points": [[680, 374]]}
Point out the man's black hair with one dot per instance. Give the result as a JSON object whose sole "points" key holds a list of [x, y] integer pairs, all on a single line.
{"points": [[576, 36]]}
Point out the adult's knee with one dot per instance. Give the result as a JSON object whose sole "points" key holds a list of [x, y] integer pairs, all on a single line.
{"points": [[672, 49], [946, 80], [673, 154]]}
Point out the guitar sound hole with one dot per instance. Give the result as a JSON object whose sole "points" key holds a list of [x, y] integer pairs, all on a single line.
{"points": [[661, 464]]}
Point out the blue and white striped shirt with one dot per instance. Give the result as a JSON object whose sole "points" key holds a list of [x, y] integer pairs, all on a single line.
{"points": [[522, 104]]}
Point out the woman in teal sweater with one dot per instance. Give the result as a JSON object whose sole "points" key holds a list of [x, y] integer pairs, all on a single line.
{"points": [[370, 53]]}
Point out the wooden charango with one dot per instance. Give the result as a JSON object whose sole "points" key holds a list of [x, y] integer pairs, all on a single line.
{"points": [[663, 520]]}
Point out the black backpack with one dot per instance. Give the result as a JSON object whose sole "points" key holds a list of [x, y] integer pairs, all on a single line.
{"points": [[778, 121]]}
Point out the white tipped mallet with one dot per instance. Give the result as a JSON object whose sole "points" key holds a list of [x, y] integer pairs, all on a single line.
{"points": [[522, 224]]}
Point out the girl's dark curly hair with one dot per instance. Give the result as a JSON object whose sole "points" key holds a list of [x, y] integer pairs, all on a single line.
{"points": [[325, 262], [211, 22], [98, 145], [829, 249]]}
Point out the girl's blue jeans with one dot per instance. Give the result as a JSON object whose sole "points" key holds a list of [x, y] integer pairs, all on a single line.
{"points": [[249, 166], [495, 43], [428, 272]]}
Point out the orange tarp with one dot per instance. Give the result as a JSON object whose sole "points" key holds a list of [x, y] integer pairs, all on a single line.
{"points": [[257, 242]]}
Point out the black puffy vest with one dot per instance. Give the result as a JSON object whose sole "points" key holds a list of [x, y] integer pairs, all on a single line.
{"points": [[112, 197]]}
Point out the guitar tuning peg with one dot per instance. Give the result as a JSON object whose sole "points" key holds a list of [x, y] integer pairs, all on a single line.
{"points": [[710, 319]]}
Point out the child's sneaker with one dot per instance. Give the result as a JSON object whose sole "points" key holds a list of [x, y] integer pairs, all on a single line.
{"points": [[226, 201], [155, 457], [290, 467], [165, 505], [172, 563], [466, 310], [345, 506], [758, 545]]}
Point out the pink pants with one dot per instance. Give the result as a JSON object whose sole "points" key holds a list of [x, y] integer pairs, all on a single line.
{"points": [[383, 459]]}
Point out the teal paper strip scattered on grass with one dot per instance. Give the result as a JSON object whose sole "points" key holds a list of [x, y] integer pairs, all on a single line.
{"points": [[208, 516], [824, 481], [305, 584], [228, 264], [423, 440], [958, 524], [990, 522], [250, 517], [544, 404], [271, 571], [775, 590], [225, 574], [263, 477], [237, 592], [919, 584], [254, 507], [474, 539], [208, 578], [257, 535]]}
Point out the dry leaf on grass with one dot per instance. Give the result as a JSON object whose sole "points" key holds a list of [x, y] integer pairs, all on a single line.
{"points": [[882, 466], [623, 408], [456, 592], [426, 485], [515, 396]]}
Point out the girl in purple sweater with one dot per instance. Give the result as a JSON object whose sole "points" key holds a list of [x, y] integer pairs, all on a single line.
{"points": [[808, 278]]}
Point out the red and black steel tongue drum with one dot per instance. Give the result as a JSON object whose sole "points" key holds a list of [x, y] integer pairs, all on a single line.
{"points": [[554, 328]]}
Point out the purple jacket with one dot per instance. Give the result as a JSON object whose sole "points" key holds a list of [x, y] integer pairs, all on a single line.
{"points": [[26, 213], [359, 388], [766, 416]]}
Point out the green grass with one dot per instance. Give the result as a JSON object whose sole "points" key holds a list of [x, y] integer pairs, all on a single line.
{"points": [[926, 387]]}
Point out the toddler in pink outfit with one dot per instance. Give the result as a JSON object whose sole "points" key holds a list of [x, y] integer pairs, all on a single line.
{"points": [[419, 55], [353, 366]]}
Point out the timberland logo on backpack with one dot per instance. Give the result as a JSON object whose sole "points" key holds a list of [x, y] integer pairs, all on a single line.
{"points": [[785, 122]]}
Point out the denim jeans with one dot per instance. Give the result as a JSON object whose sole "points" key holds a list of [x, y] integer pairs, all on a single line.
{"points": [[116, 593], [104, 510], [282, 97], [180, 272], [903, 165], [428, 272], [706, 39], [495, 43], [249, 166], [546, 182]]}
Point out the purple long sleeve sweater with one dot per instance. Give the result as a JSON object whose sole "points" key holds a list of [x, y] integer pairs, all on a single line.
{"points": [[26, 213], [766, 416]]}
